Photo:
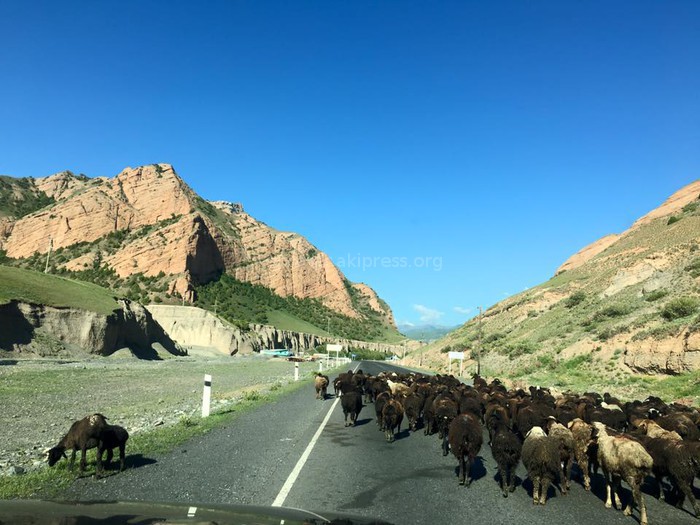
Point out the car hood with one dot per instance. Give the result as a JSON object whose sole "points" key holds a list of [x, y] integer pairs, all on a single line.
{"points": [[30, 512]]}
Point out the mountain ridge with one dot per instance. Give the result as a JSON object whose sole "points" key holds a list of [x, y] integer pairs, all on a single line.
{"points": [[147, 222], [625, 305]]}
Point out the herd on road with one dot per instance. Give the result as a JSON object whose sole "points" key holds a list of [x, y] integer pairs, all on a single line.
{"points": [[627, 441]]}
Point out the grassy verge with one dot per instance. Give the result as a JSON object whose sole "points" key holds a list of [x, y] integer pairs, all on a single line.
{"points": [[51, 482], [41, 288]]}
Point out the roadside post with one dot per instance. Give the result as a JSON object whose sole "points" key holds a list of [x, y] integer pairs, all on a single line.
{"points": [[455, 355], [320, 365], [206, 395], [296, 371]]}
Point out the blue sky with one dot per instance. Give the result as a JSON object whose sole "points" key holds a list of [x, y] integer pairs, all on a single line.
{"points": [[446, 153]]}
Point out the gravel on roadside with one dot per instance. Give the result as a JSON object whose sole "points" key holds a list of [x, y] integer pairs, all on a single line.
{"points": [[41, 397]]}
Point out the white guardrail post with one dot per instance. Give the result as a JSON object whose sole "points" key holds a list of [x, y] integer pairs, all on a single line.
{"points": [[206, 395], [296, 371]]}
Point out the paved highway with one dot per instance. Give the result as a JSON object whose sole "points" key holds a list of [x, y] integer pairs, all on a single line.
{"points": [[352, 470]]}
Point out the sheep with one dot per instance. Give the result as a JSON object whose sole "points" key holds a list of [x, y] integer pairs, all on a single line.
{"points": [[582, 434], [379, 403], [465, 438], [392, 416], [397, 388], [321, 384], [540, 455], [506, 449], [113, 436], [82, 435], [412, 405], [621, 457], [565, 441], [673, 457], [352, 404]]}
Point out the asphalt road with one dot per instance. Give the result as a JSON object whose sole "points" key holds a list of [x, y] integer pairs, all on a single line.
{"points": [[352, 470]]}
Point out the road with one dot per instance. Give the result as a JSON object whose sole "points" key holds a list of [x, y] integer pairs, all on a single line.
{"points": [[352, 470]]}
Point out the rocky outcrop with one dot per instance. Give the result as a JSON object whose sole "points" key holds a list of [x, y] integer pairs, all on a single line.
{"points": [[671, 206], [191, 326], [587, 253], [673, 355], [46, 330], [171, 230]]}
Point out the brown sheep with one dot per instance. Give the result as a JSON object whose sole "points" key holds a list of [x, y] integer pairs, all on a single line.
{"points": [[392, 416], [321, 385], [621, 457], [582, 433], [82, 435], [464, 435], [540, 455], [565, 440]]}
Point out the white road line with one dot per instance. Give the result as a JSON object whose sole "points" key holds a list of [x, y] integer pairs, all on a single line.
{"points": [[284, 492]]}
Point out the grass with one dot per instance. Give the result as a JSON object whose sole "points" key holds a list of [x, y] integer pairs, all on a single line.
{"points": [[40, 288], [51, 482]]}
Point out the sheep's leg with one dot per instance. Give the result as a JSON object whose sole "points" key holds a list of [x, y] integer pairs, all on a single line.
{"points": [[562, 478], [608, 489], [83, 460], [567, 478], [545, 481], [583, 463], [462, 470], [536, 490], [445, 446], [122, 456], [637, 498], [71, 463], [617, 487], [687, 492], [511, 477], [503, 481], [468, 471], [659, 480]]}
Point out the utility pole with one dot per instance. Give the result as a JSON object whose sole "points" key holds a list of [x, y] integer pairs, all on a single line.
{"points": [[48, 255], [478, 349]]}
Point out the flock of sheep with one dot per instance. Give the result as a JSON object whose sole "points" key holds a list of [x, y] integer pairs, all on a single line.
{"points": [[628, 441]]}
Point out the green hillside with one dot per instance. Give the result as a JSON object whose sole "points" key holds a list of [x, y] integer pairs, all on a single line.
{"points": [[242, 303], [587, 326], [40, 288], [20, 197]]}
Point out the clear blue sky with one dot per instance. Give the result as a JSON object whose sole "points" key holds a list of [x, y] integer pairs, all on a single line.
{"points": [[478, 144]]}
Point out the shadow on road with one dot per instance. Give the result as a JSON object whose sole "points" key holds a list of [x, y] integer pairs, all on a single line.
{"points": [[361, 422], [138, 460], [477, 471]]}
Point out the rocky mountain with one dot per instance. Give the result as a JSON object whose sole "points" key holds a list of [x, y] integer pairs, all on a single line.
{"points": [[146, 233], [627, 304]]}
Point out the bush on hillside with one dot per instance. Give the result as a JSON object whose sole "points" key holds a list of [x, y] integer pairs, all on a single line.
{"points": [[655, 295], [681, 307], [575, 299]]}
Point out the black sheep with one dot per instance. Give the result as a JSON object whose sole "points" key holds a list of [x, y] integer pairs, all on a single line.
{"points": [[465, 439], [379, 403], [412, 405], [677, 459], [113, 436], [506, 449], [351, 402]]}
